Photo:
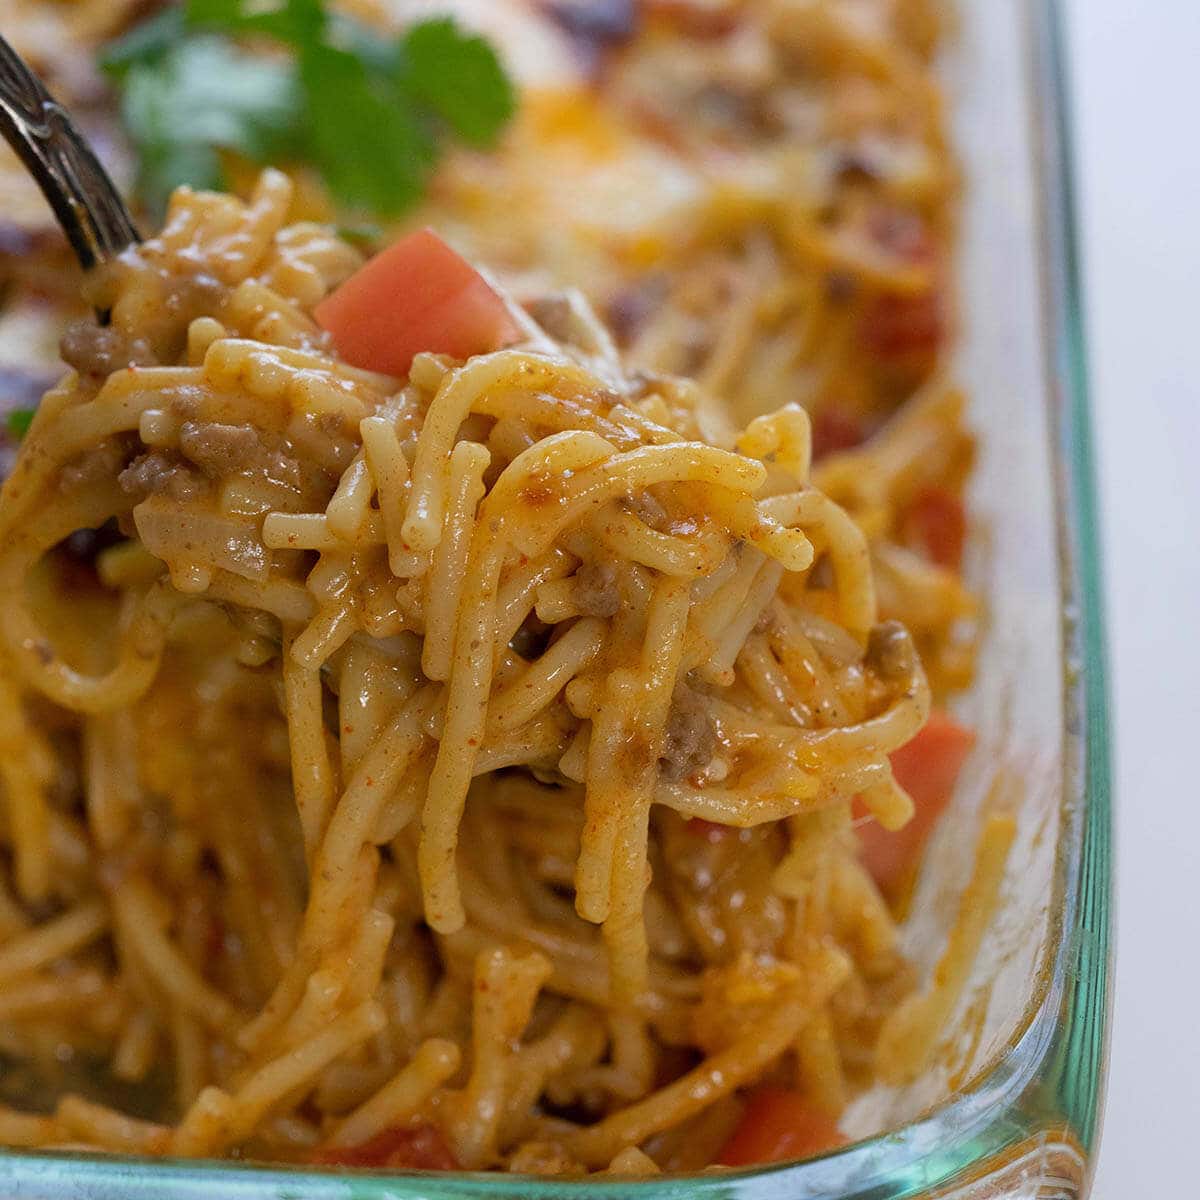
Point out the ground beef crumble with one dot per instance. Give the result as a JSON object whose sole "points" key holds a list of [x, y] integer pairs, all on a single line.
{"points": [[691, 736], [158, 474], [91, 466], [192, 296], [220, 450], [596, 591], [102, 349], [890, 651]]}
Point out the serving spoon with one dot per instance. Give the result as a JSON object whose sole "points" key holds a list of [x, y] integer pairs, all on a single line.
{"points": [[62, 162]]}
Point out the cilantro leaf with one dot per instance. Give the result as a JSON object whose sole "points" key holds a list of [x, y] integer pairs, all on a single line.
{"points": [[459, 77], [372, 113], [201, 97], [164, 162], [373, 152], [17, 423], [143, 43], [299, 22], [378, 54]]}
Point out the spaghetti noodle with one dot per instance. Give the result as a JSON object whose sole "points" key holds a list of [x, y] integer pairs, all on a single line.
{"points": [[627, 624], [463, 769]]}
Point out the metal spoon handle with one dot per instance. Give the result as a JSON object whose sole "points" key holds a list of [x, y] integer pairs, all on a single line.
{"points": [[86, 202]]}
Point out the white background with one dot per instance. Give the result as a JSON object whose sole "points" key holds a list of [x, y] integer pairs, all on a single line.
{"points": [[1136, 67]]}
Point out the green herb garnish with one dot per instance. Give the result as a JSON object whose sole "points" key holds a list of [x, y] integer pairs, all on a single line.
{"points": [[458, 77], [202, 95], [17, 423], [288, 81], [143, 42]]}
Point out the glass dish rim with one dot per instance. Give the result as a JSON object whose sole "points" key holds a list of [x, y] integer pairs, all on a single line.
{"points": [[979, 1116]]}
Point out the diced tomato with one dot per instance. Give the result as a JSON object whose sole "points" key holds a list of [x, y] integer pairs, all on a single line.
{"points": [[779, 1125], [937, 522], [416, 295], [834, 429], [927, 768], [415, 1148], [710, 831], [905, 332]]}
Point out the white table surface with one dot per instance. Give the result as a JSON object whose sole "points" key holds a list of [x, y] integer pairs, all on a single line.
{"points": [[1136, 68]]}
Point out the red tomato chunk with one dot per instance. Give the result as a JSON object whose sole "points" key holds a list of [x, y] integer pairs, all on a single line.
{"points": [[927, 768], [416, 295], [779, 1125], [414, 1148], [938, 524]]}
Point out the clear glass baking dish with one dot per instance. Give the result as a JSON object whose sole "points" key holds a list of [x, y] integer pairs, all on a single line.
{"points": [[1011, 1108]]}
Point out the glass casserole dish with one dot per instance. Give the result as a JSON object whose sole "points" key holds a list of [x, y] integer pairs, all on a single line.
{"points": [[1011, 1103]]}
